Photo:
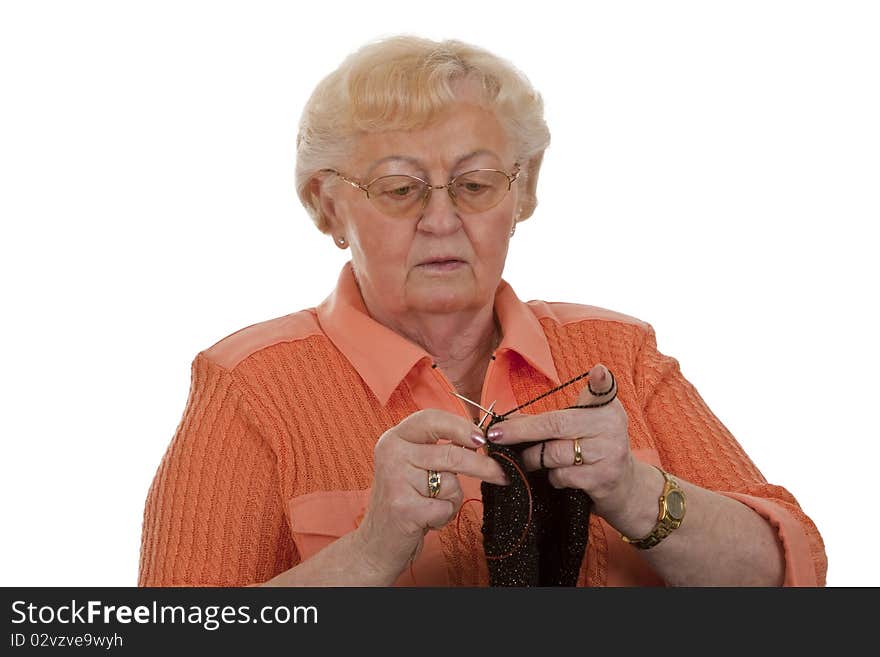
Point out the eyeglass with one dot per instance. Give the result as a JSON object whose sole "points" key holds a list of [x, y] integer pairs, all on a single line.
{"points": [[402, 195]]}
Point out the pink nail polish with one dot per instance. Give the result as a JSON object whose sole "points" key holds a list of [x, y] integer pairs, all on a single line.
{"points": [[478, 439], [494, 434]]}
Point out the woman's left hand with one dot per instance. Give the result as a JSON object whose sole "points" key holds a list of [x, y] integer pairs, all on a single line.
{"points": [[607, 472]]}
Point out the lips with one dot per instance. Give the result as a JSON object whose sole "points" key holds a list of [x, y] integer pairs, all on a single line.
{"points": [[434, 261]]}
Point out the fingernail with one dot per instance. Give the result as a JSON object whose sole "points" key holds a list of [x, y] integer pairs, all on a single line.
{"points": [[478, 439], [494, 434]]}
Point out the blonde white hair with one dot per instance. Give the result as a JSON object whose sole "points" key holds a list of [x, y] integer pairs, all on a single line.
{"points": [[401, 83]]}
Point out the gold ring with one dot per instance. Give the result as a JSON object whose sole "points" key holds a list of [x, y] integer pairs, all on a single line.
{"points": [[433, 483], [578, 457]]}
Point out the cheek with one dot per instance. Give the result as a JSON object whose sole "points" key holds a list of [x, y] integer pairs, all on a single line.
{"points": [[384, 246], [492, 235], [373, 231]]}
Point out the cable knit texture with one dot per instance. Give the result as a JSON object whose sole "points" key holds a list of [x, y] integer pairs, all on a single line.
{"points": [[295, 419]]}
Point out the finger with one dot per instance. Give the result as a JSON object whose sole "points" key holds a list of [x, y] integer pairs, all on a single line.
{"points": [[600, 384], [425, 512], [560, 453], [564, 423], [430, 425], [452, 458], [450, 486], [436, 513], [597, 481], [574, 476]]}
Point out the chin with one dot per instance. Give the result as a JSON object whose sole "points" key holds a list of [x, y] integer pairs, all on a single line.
{"points": [[442, 298]]}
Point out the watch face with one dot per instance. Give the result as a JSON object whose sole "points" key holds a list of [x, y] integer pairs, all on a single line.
{"points": [[675, 504]]}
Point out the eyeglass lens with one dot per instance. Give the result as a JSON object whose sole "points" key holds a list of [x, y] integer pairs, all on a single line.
{"points": [[475, 191]]}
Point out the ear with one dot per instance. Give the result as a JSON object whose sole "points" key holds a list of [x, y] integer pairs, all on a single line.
{"points": [[529, 200], [324, 205]]}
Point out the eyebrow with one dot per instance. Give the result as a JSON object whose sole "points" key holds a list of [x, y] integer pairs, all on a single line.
{"points": [[416, 162]]}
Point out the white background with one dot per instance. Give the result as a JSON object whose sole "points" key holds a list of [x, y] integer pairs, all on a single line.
{"points": [[714, 171]]}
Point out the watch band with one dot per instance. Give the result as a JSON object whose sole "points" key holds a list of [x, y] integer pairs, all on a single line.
{"points": [[672, 507]]}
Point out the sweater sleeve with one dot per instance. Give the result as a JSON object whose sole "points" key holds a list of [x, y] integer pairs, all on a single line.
{"points": [[214, 514], [695, 445]]}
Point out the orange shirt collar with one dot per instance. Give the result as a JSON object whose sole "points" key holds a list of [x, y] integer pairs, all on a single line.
{"points": [[383, 358]]}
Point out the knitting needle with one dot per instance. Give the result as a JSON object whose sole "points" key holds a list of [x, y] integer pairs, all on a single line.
{"points": [[488, 413], [463, 398]]}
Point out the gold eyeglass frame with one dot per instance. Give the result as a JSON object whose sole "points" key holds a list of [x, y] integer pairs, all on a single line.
{"points": [[511, 178]]}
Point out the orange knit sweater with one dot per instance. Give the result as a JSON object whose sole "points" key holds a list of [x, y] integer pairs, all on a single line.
{"points": [[272, 459]]}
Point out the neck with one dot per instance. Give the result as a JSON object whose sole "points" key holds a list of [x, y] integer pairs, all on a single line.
{"points": [[466, 363], [453, 340], [461, 343]]}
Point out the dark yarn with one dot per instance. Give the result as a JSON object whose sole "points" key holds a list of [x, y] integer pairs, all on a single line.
{"points": [[553, 548], [556, 538]]}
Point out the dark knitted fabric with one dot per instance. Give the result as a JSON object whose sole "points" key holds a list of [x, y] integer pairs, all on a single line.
{"points": [[555, 541], [542, 543]]}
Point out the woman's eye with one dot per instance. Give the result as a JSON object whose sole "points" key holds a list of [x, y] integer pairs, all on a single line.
{"points": [[472, 187], [393, 191]]}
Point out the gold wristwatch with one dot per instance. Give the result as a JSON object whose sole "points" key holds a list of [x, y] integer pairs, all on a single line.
{"points": [[670, 516]]}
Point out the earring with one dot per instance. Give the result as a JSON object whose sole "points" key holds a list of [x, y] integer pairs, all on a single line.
{"points": [[341, 240], [515, 222]]}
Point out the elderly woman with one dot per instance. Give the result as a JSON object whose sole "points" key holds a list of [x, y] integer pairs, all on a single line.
{"points": [[339, 445]]}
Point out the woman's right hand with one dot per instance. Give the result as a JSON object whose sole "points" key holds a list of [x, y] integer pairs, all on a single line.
{"points": [[400, 510]]}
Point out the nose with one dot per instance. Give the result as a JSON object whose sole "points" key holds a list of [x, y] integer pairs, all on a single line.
{"points": [[439, 213]]}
